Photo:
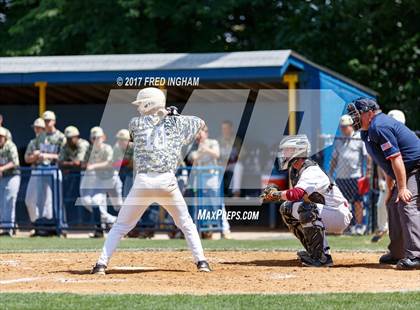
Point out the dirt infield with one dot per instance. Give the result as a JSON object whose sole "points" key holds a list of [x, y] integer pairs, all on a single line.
{"points": [[173, 272]]}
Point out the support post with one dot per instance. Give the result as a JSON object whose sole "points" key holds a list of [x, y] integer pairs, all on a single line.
{"points": [[291, 79], [42, 103]]}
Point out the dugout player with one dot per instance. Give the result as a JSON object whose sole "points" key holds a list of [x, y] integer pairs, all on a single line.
{"points": [[313, 205], [9, 183], [43, 154], [98, 179], [74, 151], [122, 159], [8, 133], [70, 161], [158, 139], [396, 149]]}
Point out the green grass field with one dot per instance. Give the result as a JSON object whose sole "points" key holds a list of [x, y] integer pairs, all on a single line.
{"points": [[341, 243], [299, 301], [308, 301]]}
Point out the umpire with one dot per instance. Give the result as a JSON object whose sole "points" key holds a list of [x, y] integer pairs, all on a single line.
{"points": [[396, 149]]}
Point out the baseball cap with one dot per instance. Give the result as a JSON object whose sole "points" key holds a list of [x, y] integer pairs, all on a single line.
{"points": [[71, 131], [49, 115], [3, 132], [398, 115], [96, 132], [123, 134], [346, 120], [39, 122]]}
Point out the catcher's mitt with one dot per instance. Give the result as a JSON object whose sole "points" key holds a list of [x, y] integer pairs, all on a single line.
{"points": [[271, 193]]}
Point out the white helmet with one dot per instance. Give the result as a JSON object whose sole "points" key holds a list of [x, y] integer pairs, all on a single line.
{"points": [[291, 148], [149, 100], [398, 115]]}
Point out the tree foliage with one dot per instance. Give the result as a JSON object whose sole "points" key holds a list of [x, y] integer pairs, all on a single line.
{"points": [[375, 42]]}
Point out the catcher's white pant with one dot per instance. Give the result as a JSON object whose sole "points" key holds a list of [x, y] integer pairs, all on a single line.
{"points": [[334, 219], [148, 188]]}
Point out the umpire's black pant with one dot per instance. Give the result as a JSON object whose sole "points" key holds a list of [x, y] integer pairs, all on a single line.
{"points": [[404, 220]]}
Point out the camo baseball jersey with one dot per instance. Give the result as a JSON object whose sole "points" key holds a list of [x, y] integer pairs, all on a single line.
{"points": [[68, 153], [9, 153], [30, 148], [97, 154], [121, 159], [157, 147], [50, 143]]}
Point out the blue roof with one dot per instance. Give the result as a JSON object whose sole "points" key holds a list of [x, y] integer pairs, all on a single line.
{"points": [[211, 67]]}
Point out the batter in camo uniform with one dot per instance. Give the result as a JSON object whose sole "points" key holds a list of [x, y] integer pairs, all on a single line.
{"points": [[44, 152], [98, 178], [9, 183], [158, 139]]}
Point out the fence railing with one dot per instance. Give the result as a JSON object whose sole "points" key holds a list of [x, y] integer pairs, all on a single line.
{"points": [[64, 189]]}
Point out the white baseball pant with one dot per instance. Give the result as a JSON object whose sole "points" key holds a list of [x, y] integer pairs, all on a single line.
{"points": [[161, 188], [93, 192], [39, 195], [9, 188]]}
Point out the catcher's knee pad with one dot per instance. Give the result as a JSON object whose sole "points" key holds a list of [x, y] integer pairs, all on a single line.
{"points": [[308, 213], [286, 210]]}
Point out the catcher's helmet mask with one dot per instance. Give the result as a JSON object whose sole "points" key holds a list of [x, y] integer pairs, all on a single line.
{"points": [[292, 148]]}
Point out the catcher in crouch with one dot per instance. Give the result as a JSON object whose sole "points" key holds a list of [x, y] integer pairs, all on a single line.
{"points": [[312, 206]]}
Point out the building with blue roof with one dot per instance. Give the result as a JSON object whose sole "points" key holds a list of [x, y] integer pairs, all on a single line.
{"points": [[71, 84]]}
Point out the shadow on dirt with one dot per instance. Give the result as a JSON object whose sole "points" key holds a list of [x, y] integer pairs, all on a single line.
{"points": [[296, 263], [268, 263], [120, 271]]}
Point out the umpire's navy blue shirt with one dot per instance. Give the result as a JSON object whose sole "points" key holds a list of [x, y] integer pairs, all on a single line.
{"points": [[387, 138]]}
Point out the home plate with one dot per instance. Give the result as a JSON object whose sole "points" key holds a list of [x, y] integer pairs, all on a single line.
{"points": [[133, 268]]}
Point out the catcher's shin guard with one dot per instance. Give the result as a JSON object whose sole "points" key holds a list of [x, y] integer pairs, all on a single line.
{"points": [[314, 236], [292, 224], [313, 229]]}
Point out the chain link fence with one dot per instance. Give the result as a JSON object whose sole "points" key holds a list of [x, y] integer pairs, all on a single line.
{"points": [[350, 167]]}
